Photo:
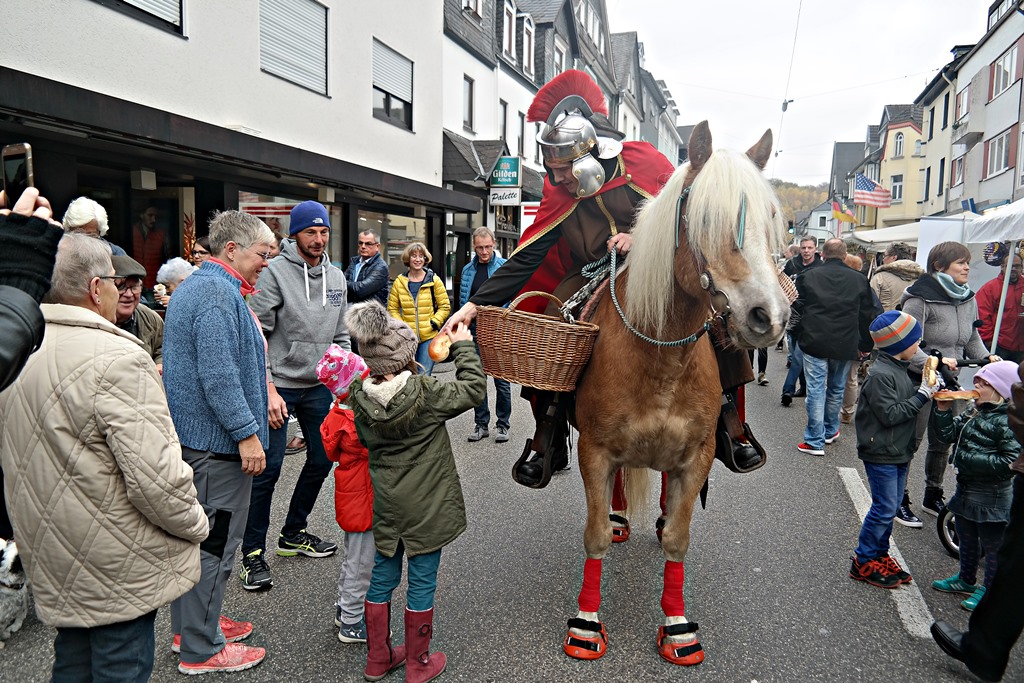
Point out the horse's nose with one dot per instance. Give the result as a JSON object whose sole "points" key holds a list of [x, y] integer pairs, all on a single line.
{"points": [[759, 320]]}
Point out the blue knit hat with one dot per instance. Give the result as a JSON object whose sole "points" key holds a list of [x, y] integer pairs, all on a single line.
{"points": [[895, 332], [308, 214]]}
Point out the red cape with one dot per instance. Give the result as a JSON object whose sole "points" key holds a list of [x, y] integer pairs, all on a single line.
{"points": [[646, 170]]}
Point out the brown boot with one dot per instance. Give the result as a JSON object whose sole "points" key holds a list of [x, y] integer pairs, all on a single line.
{"points": [[422, 666], [381, 657]]}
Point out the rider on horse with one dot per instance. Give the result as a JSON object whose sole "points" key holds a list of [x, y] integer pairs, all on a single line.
{"points": [[593, 188]]}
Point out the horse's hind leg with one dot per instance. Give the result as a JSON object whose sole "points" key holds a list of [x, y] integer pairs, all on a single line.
{"points": [[677, 640], [618, 517]]}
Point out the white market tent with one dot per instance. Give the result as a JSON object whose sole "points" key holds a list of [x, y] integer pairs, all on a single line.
{"points": [[880, 239]]}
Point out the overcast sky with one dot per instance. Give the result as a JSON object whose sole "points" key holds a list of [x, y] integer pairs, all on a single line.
{"points": [[729, 62]]}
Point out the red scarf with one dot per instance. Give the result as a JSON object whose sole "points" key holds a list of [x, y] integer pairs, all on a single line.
{"points": [[246, 288]]}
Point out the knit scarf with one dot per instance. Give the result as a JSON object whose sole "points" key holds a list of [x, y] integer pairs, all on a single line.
{"points": [[246, 288], [955, 291]]}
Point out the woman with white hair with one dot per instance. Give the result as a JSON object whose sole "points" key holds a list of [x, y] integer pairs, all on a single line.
{"points": [[86, 424], [170, 276], [88, 217]]}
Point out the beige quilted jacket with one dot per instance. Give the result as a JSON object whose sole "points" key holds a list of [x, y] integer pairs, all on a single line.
{"points": [[103, 506]]}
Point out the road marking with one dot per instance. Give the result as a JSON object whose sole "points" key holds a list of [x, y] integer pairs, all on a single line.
{"points": [[910, 604]]}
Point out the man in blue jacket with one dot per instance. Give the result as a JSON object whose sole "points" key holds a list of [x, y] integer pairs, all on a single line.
{"points": [[367, 274], [480, 267]]}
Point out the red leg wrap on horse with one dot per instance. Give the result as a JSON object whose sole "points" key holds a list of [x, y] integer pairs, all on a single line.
{"points": [[672, 594], [661, 501], [590, 594], [618, 495]]}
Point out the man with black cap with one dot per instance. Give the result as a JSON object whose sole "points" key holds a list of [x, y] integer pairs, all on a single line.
{"points": [[142, 321], [300, 305]]}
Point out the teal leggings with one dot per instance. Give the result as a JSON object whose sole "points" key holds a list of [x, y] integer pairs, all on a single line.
{"points": [[387, 574]]}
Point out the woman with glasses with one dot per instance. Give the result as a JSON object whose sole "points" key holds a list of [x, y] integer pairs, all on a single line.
{"points": [[213, 339], [200, 251], [420, 299]]}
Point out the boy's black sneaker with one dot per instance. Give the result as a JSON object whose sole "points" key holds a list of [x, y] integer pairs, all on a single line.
{"points": [[894, 568], [255, 573], [934, 503], [906, 517], [873, 572], [305, 543]]}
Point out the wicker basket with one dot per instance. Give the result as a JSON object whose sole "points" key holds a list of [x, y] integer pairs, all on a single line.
{"points": [[535, 350]]}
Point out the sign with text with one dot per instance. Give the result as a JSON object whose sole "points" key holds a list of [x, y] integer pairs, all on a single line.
{"points": [[505, 196], [506, 173], [528, 214]]}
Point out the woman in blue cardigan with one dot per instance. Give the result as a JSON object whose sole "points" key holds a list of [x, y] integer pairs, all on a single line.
{"points": [[216, 381]]}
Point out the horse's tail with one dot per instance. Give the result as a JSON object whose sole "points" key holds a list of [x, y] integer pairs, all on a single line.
{"points": [[636, 484]]}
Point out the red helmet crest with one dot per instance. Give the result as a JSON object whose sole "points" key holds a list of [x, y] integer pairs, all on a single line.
{"points": [[565, 84]]}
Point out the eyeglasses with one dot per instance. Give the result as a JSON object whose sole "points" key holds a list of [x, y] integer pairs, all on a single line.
{"points": [[200, 252], [122, 284], [264, 255], [367, 244]]}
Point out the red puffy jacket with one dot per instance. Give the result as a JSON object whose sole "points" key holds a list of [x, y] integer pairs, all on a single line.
{"points": [[353, 490]]}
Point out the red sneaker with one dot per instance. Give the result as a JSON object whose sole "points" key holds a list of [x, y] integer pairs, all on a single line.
{"points": [[233, 631], [234, 657]]}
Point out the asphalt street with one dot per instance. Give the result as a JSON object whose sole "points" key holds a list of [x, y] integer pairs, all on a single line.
{"points": [[766, 579]]}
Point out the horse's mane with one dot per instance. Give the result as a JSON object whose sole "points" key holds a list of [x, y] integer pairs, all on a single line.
{"points": [[713, 210]]}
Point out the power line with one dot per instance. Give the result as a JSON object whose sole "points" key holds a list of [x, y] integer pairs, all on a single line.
{"points": [[789, 76]]}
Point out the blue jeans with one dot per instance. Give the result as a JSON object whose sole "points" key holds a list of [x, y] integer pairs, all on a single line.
{"points": [[310, 406], [502, 403], [114, 653], [796, 367], [826, 380], [887, 483], [423, 357], [387, 574]]}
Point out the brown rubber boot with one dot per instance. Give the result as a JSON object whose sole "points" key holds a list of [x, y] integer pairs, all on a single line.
{"points": [[422, 666], [381, 657]]}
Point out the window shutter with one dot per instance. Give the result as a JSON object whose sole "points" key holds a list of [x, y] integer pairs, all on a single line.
{"points": [[392, 72], [293, 41], [168, 10]]}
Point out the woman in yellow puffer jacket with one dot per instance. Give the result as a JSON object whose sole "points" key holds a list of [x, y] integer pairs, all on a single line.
{"points": [[420, 300]]}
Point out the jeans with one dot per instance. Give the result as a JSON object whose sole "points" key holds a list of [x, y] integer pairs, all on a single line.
{"points": [[887, 483], [796, 367], [826, 380], [423, 357], [502, 404], [113, 653], [387, 574], [311, 406]]}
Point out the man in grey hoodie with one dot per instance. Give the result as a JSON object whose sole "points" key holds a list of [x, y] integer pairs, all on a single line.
{"points": [[301, 307]]}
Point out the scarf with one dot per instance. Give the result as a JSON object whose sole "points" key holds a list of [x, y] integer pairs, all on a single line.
{"points": [[955, 291], [246, 289]]}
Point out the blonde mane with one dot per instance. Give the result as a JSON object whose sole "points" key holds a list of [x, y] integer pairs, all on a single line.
{"points": [[712, 209]]}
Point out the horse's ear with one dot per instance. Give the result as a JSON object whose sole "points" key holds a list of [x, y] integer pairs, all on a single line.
{"points": [[760, 152], [699, 147]]}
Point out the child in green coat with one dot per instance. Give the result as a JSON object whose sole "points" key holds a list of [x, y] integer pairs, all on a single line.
{"points": [[418, 506]]}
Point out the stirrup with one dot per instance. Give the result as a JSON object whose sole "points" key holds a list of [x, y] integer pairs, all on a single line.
{"points": [[620, 534], [724, 450], [684, 654], [581, 647], [545, 477]]}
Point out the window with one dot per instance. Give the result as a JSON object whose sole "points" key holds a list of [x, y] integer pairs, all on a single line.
{"points": [[473, 7], [927, 183], [1020, 170], [942, 178], [1004, 72], [822, 222], [503, 124], [528, 45], [396, 232], [945, 111], [897, 149], [522, 134], [165, 14], [931, 123], [998, 153], [293, 42], [896, 182], [963, 103], [392, 86], [467, 103], [997, 11], [508, 32], [918, 148], [559, 60], [956, 175]]}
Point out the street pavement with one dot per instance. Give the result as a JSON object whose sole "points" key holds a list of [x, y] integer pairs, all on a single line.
{"points": [[766, 579]]}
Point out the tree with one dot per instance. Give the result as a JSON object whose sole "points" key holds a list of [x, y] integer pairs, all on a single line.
{"points": [[795, 198]]}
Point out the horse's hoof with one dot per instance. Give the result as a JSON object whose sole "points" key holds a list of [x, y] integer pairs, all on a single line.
{"points": [[585, 647], [683, 654], [620, 534]]}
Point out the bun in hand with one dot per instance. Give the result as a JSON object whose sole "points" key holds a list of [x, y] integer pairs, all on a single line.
{"points": [[438, 348]]}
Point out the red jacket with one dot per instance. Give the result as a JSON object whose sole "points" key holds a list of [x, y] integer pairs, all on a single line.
{"points": [[1011, 330], [353, 490]]}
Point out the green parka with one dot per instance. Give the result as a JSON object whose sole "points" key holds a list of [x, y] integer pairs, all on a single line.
{"points": [[886, 411], [984, 444], [417, 497]]}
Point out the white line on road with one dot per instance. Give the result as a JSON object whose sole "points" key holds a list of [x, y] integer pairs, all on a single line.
{"points": [[909, 602]]}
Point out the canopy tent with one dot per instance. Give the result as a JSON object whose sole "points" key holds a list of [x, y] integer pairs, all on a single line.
{"points": [[880, 239], [1002, 225]]}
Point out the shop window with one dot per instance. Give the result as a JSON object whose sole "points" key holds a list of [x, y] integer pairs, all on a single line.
{"points": [[392, 86], [396, 233], [293, 42]]}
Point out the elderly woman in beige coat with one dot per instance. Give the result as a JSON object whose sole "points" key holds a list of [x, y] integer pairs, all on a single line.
{"points": [[104, 508]]}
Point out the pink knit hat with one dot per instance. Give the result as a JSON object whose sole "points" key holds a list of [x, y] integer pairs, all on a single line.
{"points": [[338, 368], [1000, 375]]}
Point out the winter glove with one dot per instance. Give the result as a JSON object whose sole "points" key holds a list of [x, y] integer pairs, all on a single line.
{"points": [[28, 248], [928, 390]]}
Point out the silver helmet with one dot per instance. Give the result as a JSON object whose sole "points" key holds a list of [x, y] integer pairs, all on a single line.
{"points": [[569, 136]]}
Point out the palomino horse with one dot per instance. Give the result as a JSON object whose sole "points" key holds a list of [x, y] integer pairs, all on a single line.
{"points": [[707, 237]]}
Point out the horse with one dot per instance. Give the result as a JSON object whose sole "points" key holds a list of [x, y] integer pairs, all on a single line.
{"points": [[702, 248]]}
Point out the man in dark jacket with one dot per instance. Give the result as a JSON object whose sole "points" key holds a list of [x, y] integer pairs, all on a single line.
{"points": [[807, 258], [367, 274], [834, 311]]}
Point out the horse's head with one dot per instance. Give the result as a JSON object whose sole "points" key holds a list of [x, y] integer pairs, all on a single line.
{"points": [[732, 222]]}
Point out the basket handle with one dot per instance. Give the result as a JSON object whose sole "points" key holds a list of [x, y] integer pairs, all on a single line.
{"points": [[526, 295]]}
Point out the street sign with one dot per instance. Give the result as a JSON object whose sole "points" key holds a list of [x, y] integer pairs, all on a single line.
{"points": [[506, 173], [505, 196]]}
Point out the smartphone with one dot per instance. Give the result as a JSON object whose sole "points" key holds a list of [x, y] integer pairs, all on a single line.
{"points": [[18, 173]]}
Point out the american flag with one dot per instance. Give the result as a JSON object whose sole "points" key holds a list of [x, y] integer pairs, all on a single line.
{"points": [[867, 192]]}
